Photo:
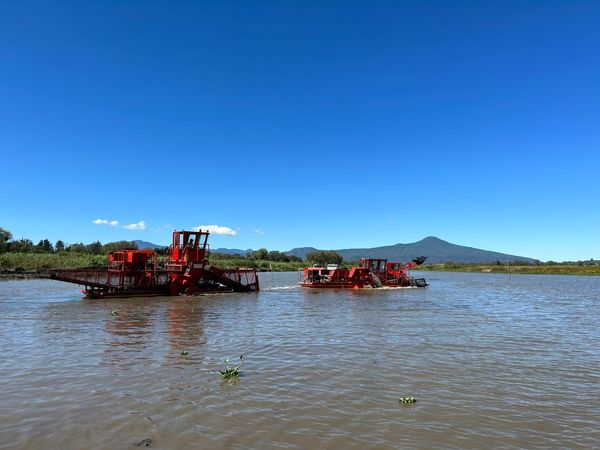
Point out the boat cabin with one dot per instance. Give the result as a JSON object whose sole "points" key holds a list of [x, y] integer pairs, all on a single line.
{"points": [[131, 260], [316, 274], [376, 265]]}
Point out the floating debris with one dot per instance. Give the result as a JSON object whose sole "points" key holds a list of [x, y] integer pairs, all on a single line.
{"points": [[231, 372], [185, 353], [144, 443], [408, 400], [114, 312]]}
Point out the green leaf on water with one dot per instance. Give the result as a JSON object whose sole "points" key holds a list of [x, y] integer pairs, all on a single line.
{"points": [[231, 372]]}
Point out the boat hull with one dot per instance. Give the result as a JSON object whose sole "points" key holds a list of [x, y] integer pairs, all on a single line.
{"points": [[414, 283], [334, 286], [147, 293]]}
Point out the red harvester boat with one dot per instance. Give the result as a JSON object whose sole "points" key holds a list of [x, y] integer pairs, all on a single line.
{"points": [[372, 273], [136, 272]]}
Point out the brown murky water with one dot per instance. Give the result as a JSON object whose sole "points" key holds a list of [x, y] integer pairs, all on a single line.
{"points": [[491, 362]]}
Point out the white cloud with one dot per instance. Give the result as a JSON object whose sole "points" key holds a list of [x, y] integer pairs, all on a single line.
{"points": [[141, 225], [216, 229], [112, 223], [259, 231]]}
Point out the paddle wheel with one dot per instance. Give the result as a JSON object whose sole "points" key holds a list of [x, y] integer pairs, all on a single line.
{"points": [[186, 271]]}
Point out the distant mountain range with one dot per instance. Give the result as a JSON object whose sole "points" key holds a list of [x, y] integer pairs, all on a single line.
{"points": [[231, 251], [436, 250], [141, 245]]}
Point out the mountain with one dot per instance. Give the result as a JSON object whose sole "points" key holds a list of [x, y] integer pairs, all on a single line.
{"points": [[231, 251], [141, 245], [436, 250], [301, 251]]}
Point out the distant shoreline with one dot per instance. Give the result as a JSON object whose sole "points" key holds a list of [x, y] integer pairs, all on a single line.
{"points": [[545, 269], [514, 270], [37, 265], [44, 273], [7, 275]]}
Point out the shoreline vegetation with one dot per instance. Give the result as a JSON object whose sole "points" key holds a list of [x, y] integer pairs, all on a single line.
{"points": [[36, 265], [549, 268], [22, 259]]}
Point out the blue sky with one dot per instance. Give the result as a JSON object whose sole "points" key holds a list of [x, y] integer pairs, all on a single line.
{"points": [[326, 124]]}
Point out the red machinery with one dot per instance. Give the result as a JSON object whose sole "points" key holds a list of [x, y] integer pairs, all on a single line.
{"points": [[137, 273], [372, 273]]}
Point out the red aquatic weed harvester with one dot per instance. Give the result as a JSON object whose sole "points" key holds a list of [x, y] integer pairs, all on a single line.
{"points": [[372, 273], [186, 270]]}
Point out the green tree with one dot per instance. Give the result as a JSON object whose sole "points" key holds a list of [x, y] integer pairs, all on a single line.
{"points": [[59, 246], [44, 246], [95, 248], [323, 257], [118, 246], [21, 246], [158, 251], [278, 256], [5, 237], [77, 248], [261, 253]]}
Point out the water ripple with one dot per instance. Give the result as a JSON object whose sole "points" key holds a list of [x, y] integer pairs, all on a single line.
{"points": [[492, 362]]}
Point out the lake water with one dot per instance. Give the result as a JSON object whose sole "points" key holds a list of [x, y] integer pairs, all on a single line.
{"points": [[492, 362]]}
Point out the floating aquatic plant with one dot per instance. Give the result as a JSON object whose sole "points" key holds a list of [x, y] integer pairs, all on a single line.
{"points": [[408, 400], [231, 372]]}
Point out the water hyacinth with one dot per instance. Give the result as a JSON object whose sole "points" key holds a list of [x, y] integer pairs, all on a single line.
{"points": [[231, 372]]}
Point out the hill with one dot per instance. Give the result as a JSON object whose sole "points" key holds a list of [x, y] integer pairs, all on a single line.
{"points": [[231, 251], [436, 250], [301, 251], [141, 245]]}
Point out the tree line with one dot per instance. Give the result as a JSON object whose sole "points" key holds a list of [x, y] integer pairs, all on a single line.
{"points": [[322, 257], [261, 254], [8, 245]]}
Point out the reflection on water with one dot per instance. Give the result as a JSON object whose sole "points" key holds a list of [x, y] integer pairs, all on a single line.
{"points": [[492, 362], [185, 324]]}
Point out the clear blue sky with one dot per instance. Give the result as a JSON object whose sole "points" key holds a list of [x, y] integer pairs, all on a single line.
{"points": [[307, 123]]}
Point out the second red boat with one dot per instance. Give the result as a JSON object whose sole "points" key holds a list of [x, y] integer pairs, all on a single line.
{"points": [[372, 273]]}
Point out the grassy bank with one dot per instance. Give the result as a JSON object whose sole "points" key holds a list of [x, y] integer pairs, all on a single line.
{"points": [[548, 269], [40, 262], [258, 264]]}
